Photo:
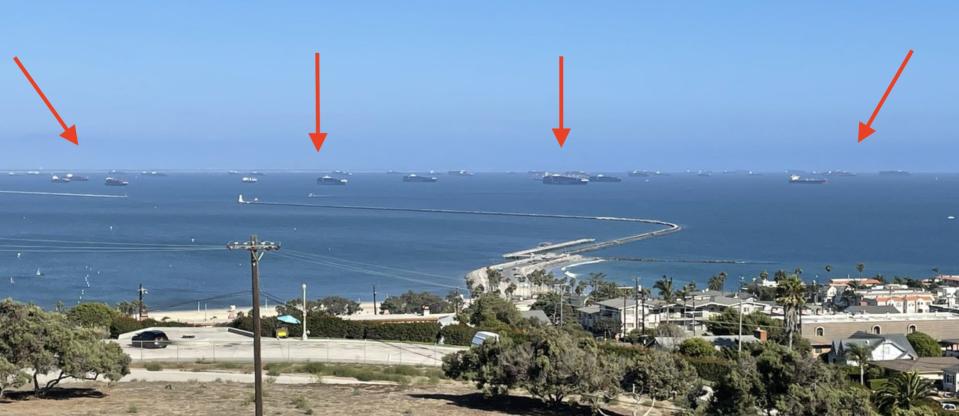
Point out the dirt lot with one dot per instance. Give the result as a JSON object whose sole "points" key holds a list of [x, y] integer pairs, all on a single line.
{"points": [[221, 398]]}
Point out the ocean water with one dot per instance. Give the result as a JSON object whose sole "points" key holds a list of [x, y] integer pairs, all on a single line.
{"points": [[170, 233]]}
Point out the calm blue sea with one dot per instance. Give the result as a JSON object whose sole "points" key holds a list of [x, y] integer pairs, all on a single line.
{"points": [[895, 225]]}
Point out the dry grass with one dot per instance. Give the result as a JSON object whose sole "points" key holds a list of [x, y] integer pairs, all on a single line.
{"points": [[143, 398]]}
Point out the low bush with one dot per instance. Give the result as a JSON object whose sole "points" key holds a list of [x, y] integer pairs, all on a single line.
{"points": [[153, 366], [711, 368], [458, 334]]}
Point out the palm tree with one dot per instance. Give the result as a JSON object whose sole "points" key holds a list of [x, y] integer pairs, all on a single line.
{"points": [[665, 287], [860, 267], [861, 354], [902, 392], [714, 283], [792, 296]]}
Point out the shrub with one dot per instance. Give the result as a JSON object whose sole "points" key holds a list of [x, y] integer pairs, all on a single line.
{"points": [[92, 315], [153, 366], [697, 347], [924, 345], [458, 334], [413, 331], [712, 368]]}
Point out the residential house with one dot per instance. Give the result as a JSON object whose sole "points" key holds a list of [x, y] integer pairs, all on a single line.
{"points": [[883, 347]]}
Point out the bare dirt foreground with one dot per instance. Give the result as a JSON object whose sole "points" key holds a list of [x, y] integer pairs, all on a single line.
{"points": [[225, 398]]}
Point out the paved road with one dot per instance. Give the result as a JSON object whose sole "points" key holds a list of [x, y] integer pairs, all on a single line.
{"points": [[215, 344]]}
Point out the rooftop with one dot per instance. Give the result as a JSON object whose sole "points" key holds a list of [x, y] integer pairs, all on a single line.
{"points": [[921, 365], [886, 317]]}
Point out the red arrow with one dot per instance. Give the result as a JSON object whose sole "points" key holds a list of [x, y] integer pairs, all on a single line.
{"points": [[317, 136], [560, 132], [865, 130], [69, 133]]}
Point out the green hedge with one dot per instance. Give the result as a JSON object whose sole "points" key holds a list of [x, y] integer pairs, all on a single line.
{"points": [[458, 334], [711, 368], [323, 325]]}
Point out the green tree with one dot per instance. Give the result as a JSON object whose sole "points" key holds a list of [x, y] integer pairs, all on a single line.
{"points": [[925, 345], [602, 289], [493, 278], [659, 374], [717, 282], [413, 302], [861, 354], [129, 308], [697, 348], [860, 267], [792, 296], [550, 304], [551, 365], [42, 343], [11, 376], [92, 315], [338, 305], [455, 299], [491, 312], [902, 393], [772, 378]]}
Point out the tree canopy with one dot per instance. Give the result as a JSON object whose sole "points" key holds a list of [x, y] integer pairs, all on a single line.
{"points": [[34, 343], [925, 345]]}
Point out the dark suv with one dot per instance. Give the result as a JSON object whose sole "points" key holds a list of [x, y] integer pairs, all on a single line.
{"points": [[151, 339]]}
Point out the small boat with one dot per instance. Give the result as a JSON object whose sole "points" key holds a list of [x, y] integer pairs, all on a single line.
{"points": [[233, 172], [640, 173], [111, 181], [59, 179], [249, 179], [39, 273], [329, 180], [416, 178], [604, 178], [33, 172], [460, 173], [76, 178], [801, 180]]}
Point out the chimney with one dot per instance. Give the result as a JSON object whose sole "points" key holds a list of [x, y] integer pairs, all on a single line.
{"points": [[760, 334]]}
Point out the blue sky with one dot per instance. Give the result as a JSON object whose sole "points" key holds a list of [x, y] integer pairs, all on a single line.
{"points": [[443, 85]]}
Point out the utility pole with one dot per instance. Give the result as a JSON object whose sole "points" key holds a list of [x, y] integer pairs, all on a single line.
{"points": [[740, 316], [374, 301], [256, 249], [636, 302], [304, 311], [141, 292]]}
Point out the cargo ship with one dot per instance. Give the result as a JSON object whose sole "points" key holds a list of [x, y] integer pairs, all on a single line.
{"points": [[329, 180], [839, 173], [76, 178], [59, 179], [801, 180], [893, 173], [603, 178], [460, 173], [557, 179], [416, 178], [111, 181], [152, 173]]}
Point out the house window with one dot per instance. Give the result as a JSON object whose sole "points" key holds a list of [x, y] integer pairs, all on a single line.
{"points": [[911, 329], [820, 331], [876, 330]]}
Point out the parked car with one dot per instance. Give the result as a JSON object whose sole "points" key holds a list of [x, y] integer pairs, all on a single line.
{"points": [[949, 406], [151, 339]]}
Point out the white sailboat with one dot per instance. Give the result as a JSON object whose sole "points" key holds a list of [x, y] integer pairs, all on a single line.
{"points": [[39, 273]]}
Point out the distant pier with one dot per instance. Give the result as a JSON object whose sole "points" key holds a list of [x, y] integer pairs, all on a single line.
{"points": [[523, 261]]}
